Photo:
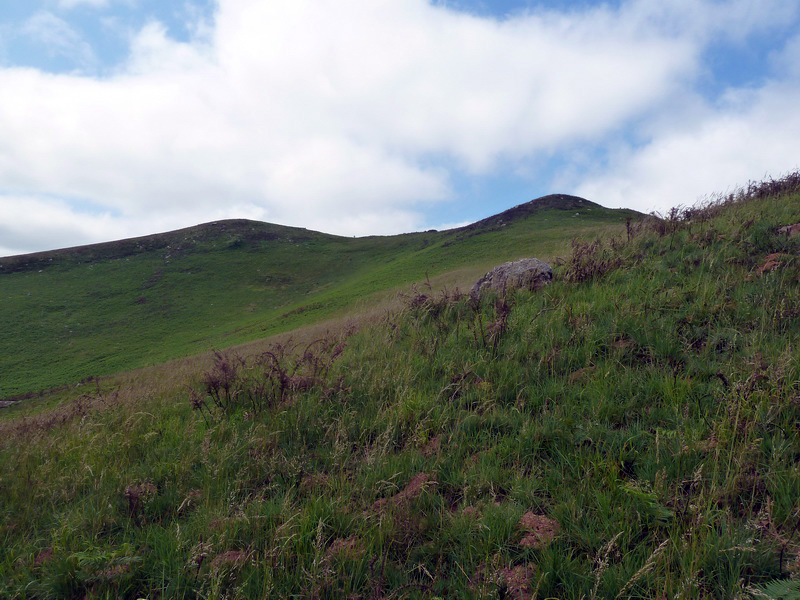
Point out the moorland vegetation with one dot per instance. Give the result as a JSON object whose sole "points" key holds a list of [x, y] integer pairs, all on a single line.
{"points": [[95, 310], [629, 431]]}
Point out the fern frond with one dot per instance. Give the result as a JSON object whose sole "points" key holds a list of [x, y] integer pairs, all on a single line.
{"points": [[778, 589]]}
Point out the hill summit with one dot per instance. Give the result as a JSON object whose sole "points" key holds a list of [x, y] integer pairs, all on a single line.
{"points": [[93, 310], [243, 231], [523, 211], [628, 431]]}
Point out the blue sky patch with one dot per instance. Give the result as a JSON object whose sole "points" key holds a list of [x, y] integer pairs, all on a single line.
{"points": [[358, 117]]}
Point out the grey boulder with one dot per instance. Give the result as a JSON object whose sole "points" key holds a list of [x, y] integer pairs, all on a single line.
{"points": [[527, 273]]}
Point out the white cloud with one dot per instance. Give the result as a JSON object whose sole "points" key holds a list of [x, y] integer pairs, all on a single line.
{"points": [[28, 224], [456, 225], [68, 4], [748, 135], [345, 116], [732, 19], [425, 80], [58, 37], [33, 223]]}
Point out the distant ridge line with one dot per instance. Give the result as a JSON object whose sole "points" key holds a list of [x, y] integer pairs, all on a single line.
{"points": [[176, 240], [522, 211], [248, 230]]}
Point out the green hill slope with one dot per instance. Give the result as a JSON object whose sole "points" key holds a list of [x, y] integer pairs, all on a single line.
{"points": [[90, 311], [629, 431]]}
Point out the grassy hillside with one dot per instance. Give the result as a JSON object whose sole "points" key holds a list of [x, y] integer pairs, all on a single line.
{"points": [[83, 312], [630, 431]]}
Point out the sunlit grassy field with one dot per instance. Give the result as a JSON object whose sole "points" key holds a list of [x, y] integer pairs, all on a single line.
{"points": [[76, 314], [630, 431]]}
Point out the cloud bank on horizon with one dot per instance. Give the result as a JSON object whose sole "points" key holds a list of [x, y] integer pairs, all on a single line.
{"points": [[128, 117]]}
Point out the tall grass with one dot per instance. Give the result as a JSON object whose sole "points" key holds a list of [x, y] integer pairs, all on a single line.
{"points": [[96, 310], [629, 431]]}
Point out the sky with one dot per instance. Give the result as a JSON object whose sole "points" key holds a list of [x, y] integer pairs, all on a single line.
{"points": [[121, 118]]}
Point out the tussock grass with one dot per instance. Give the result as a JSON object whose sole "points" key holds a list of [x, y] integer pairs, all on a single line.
{"points": [[629, 431]]}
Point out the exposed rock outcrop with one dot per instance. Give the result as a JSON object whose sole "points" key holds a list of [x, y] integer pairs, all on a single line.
{"points": [[790, 230], [526, 273]]}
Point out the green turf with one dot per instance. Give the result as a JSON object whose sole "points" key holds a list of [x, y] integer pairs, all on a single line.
{"points": [[642, 409], [95, 310]]}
